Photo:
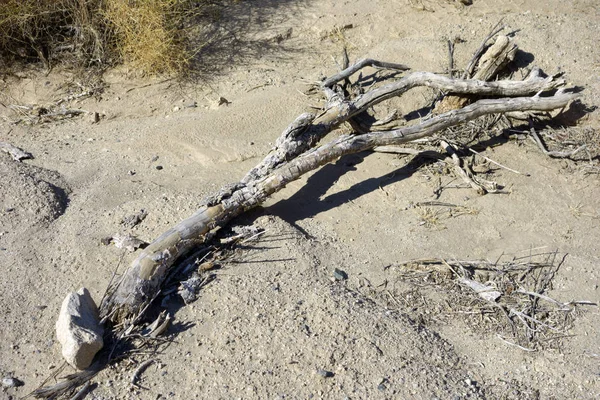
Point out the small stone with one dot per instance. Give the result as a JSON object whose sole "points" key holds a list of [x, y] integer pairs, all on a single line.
{"points": [[176, 108], [10, 382], [94, 117], [340, 275], [223, 100], [219, 102], [159, 167], [132, 220], [325, 373], [78, 329], [383, 384]]}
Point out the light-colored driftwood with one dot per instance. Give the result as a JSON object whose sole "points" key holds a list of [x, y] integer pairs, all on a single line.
{"points": [[294, 156], [16, 153], [490, 63]]}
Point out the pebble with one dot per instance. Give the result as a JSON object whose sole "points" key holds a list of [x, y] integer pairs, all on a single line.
{"points": [[340, 275], [325, 373], [94, 117], [382, 385], [159, 167], [10, 382]]}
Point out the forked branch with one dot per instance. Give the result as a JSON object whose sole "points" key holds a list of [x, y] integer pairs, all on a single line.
{"points": [[142, 281]]}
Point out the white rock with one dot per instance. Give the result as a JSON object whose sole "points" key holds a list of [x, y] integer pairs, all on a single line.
{"points": [[78, 329], [10, 382]]}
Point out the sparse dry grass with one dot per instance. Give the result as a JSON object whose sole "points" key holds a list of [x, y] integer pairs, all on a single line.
{"points": [[513, 299], [148, 35], [432, 214]]}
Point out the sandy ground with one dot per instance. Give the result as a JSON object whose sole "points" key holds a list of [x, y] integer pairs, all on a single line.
{"points": [[275, 316]]}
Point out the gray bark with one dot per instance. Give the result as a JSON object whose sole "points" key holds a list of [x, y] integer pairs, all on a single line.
{"points": [[294, 155]]}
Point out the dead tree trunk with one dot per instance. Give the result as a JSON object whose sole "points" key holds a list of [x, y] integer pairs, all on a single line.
{"points": [[295, 154]]}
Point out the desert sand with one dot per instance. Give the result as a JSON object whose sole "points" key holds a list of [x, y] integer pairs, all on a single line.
{"points": [[275, 318]]}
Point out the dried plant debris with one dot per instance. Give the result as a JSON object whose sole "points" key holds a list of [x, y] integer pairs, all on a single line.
{"points": [[575, 143], [59, 109], [134, 219], [432, 213], [242, 233], [126, 241], [509, 297]]}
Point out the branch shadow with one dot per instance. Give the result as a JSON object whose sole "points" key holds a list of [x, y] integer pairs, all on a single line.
{"points": [[309, 201]]}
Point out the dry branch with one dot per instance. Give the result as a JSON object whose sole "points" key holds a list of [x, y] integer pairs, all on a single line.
{"points": [[143, 279], [489, 65], [464, 171], [367, 62], [508, 290]]}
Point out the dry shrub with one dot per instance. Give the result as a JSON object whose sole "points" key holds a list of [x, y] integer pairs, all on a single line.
{"points": [[45, 30], [148, 34]]}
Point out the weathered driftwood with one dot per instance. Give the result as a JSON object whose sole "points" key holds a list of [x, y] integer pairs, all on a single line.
{"points": [[294, 155], [489, 64], [16, 153]]}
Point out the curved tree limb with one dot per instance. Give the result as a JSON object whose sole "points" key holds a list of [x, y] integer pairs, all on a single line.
{"points": [[366, 62], [143, 279], [307, 130]]}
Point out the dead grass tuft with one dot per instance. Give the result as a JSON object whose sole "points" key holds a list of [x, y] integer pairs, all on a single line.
{"points": [[432, 213], [148, 35], [46, 30]]}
